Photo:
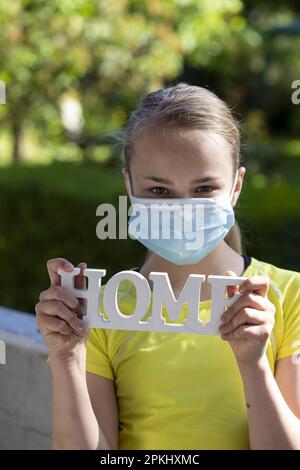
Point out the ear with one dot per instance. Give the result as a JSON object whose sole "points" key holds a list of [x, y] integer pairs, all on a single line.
{"points": [[238, 185]]}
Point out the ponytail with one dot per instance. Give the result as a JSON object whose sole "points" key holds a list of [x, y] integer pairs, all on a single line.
{"points": [[234, 238]]}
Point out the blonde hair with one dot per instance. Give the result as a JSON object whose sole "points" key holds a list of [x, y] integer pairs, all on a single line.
{"points": [[185, 106]]}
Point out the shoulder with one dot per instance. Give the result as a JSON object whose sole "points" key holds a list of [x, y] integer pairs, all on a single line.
{"points": [[284, 282]]}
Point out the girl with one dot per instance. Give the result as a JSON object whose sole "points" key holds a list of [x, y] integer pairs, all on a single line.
{"points": [[117, 389]]}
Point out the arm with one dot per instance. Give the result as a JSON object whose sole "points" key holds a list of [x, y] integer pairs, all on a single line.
{"points": [[75, 423], [273, 404], [105, 409]]}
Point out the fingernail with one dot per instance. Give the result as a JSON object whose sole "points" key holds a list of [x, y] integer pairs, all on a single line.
{"points": [[228, 336], [79, 326], [68, 266]]}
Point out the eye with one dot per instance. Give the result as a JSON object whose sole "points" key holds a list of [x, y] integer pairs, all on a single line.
{"points": [[159, 190], [205, 189]]}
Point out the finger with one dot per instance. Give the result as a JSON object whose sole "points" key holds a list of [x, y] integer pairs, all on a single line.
{"points": [[80, 279], [258, 284], [247, 300], [231, 290], [53, 265], [248, 316], [56, 308], [257, 332], [53, 324], [80, 283], [59, 293]]}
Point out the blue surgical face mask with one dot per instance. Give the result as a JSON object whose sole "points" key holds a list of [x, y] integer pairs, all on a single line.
{"points": [[183, 231]]}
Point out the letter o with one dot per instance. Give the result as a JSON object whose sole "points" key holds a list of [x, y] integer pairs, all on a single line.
{"points": [[110, 300]]}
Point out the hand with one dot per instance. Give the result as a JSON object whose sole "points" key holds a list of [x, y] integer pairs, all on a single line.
{"points": [[58, 312], [247, 324]]}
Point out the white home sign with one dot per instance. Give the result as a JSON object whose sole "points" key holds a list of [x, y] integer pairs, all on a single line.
{"points": [[162, 294]]}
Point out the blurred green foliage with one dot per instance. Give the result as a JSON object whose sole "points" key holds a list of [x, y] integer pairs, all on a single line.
{"points": [[103, 54], [47, 212], [103, 57]]}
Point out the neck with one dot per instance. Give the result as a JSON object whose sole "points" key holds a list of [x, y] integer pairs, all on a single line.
{"points": [[223, 258]]}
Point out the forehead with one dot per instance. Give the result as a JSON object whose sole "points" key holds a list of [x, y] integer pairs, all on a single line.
{"points": [[182, 148]]}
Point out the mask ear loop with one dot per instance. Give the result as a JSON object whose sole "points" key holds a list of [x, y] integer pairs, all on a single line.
{"points": [[234, 183], [129, 185]]}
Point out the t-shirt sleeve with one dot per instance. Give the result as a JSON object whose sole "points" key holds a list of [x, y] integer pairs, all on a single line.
{"points": [[290, 344], [97, 359]]}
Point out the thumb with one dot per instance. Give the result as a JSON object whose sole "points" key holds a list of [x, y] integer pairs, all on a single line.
{"points": [[80, 283], [231, 290]]}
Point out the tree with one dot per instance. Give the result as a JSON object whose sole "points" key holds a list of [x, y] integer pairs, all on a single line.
{"points": [[107, 53]]}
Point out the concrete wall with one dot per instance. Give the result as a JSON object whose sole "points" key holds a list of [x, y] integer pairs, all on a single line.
{"points": [[25, 384]]}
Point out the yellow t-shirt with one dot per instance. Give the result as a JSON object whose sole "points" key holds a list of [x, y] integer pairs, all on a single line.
{"points": [[184, 391]]}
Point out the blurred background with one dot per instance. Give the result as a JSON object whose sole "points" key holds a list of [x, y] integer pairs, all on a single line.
{"points": [[73, 72]]}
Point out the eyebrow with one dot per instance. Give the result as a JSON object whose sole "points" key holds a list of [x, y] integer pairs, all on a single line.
{"points": [[165, 180]]}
